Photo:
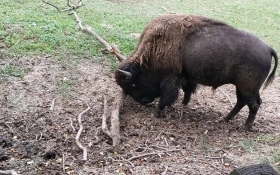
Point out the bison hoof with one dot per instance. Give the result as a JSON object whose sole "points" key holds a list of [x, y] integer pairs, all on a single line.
{"points": [[185, 102], [247, 127], [158, 113], [227, 119]]}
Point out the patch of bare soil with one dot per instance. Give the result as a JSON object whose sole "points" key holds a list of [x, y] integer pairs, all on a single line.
{"points": [[191, 140]]}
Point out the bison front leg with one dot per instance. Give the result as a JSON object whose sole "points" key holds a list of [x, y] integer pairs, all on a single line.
{"points": [[188, 89], [169, 90]]}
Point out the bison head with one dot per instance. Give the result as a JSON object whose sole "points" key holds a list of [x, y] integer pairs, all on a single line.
{"points": [[137, 82]]}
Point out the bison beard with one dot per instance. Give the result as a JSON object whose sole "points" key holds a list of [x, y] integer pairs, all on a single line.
{"points": [[181, 51]]}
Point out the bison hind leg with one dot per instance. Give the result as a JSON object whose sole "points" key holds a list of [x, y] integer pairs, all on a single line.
{"points": [[189, 89], [238, 106], [253, 103]]}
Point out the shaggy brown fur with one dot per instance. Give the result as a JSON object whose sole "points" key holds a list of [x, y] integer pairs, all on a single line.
{"points": [[158, 45]]}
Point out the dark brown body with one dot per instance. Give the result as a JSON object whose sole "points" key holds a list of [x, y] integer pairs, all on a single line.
{"points": [[177, 51]]}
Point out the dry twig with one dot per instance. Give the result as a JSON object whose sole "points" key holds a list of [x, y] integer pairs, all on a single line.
{"points": [[52, 105], [170, 12], [63, 162], [8, 172], [150, 154], [79, 133], [71, 123], [227, 97], [6, 123], [165, 171]]}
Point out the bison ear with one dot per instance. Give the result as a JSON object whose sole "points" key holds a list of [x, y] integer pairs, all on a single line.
{"points": [[127, 74]]}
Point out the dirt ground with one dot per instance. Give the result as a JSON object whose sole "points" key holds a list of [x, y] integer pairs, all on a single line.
{"points": [[191, 140]]}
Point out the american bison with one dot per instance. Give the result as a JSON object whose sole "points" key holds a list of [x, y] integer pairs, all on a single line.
{"points": [[177, 51]]}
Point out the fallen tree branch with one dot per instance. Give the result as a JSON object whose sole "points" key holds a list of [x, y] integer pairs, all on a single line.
{"points": [[89, 30], [8, 172], [72, 6], [79, 133]]}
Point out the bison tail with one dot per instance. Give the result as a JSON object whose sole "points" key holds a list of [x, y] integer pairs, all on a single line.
{"points": [[272, 74]]}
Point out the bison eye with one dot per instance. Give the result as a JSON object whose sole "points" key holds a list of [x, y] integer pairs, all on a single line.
{"points": [[134, 85]]}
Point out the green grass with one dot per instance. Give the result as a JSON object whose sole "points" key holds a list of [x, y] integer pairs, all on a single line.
{"points": [[267, 142], [10, 70], [32, 27], [65, 88]]}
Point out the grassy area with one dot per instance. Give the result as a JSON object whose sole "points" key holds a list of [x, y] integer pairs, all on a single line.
{"points": [[32, 27]]}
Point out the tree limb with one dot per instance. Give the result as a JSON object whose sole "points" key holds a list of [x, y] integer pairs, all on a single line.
{"points": [[72, 6], [89, 30]]}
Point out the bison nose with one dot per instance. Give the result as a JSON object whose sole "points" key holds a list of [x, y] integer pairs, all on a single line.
{"points": [[146, 100]]}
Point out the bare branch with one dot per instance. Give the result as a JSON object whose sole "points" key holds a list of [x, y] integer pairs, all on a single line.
{"points": [[52, 5], [8, 172], [70, 7], [79, 133], [89, 30]]}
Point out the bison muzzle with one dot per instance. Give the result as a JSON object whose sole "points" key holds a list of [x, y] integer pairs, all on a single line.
{"points": [[181, 51]]}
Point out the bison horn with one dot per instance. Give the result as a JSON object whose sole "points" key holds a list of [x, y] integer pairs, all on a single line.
{"points": [[126, 73]]}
